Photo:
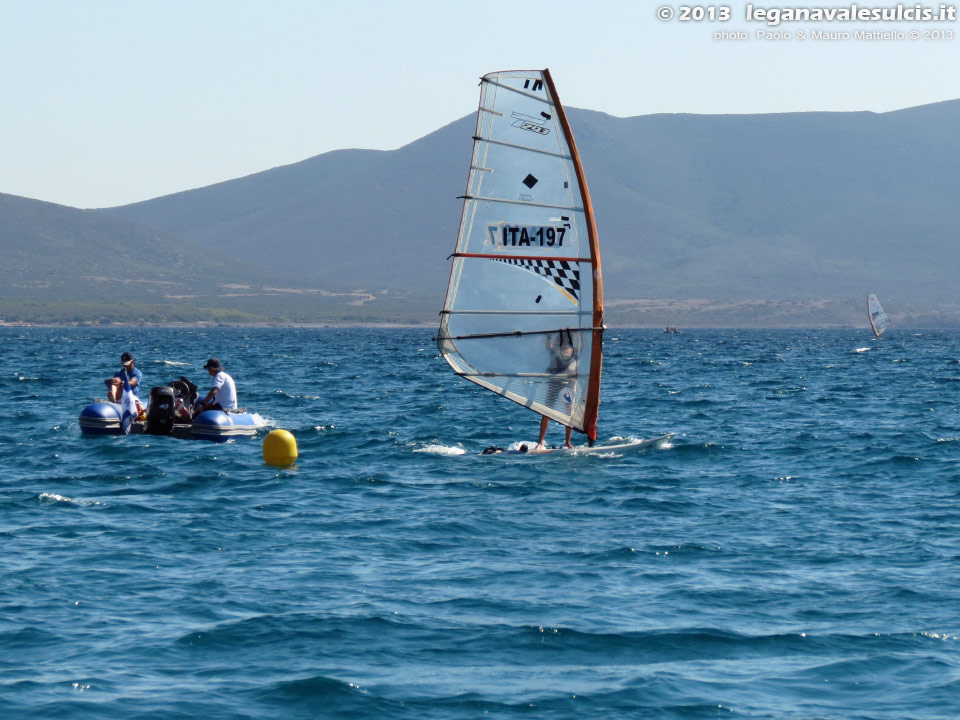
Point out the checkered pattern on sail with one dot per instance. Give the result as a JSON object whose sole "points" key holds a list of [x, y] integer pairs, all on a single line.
{"points": [[562, 272]]}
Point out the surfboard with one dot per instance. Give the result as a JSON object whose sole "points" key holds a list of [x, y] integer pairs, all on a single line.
{"points": [[617, 448]]}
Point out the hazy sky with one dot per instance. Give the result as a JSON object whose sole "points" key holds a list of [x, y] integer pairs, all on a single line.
{"points": [[107, 102]]}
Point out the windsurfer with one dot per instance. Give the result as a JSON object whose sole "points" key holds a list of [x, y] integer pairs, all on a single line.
{"points": [[129, 373], [563, 365]]}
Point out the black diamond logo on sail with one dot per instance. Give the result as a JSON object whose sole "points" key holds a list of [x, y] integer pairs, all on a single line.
{"points": [[530, 181]]}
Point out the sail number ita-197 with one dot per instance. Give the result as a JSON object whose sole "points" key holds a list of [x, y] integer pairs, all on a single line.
{"points": [[528, 236]]}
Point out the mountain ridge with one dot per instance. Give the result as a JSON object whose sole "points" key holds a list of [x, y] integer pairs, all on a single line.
{"points": [[818, 207]]}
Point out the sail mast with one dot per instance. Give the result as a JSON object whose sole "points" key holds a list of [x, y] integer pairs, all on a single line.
{"points": [[593, 391]]}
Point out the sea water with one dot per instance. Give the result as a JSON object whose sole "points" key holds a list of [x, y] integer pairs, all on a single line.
{"points": [[794, 553]]}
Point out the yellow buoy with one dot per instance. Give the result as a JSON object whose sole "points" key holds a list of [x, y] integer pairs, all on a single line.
{"points": [[279, 448]]}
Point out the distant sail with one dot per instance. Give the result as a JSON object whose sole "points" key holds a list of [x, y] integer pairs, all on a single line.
{"points": [[876, 315], [523, 315]]}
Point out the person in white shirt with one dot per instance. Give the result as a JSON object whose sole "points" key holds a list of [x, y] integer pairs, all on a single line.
{"points": [[223, 394]]}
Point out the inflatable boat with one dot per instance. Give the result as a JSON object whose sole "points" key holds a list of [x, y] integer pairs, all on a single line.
{"points": [[168, 414]]}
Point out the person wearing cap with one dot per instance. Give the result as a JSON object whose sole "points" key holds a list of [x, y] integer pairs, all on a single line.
{"points": [[129, 373], [223, 394]]}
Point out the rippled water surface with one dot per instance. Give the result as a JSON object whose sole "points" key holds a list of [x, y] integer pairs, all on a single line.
{"points": [[794, 554]]}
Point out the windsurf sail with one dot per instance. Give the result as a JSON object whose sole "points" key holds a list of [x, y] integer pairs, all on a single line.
{"points": [[523, 315], [878, 318]]}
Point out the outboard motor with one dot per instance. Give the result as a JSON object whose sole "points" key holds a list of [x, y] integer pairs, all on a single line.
{"points": [[186, 397], [161, 414]]}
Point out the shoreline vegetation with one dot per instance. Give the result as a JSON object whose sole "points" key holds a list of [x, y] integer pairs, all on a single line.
{"points": [[422, 311], [424, 325], [683, 314], [214, 324]]}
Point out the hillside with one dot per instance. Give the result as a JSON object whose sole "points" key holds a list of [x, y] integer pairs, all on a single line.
{"points": [[803, 206], [786, 219], [60, 264], [779, 207], [347, 220]]}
